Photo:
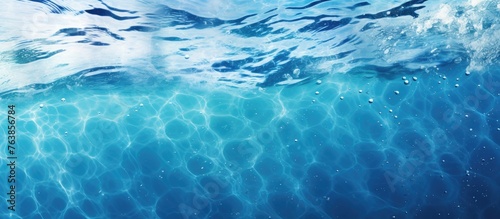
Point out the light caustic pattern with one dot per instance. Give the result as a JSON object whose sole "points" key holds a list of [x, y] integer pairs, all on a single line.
{"points": [[341, 147]]}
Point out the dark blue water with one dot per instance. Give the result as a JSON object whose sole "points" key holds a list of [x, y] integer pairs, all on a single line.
{"points": [[251, 109]]}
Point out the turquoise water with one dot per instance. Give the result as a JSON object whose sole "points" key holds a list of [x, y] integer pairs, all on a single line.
{"points": [[261, 109]]}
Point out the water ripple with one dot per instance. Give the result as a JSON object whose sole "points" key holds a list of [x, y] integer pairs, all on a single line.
{"points": [[317, 37], [106, 13]]}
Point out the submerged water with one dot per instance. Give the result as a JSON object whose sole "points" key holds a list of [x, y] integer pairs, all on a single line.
{"points": [[252, 109]]}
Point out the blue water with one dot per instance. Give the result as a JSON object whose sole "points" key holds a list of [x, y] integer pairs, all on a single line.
{"points": [[252, 109]]}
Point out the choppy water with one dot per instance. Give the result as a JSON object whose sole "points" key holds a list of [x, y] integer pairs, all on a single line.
{"points": [[252, 109]]}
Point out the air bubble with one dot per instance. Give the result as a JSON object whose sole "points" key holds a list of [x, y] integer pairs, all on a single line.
{"points": [[186, 56], [370, 100], [390, 110], [456, 85], [360, 91], [396, 92], [415, 78], [318, 82], [467, 73], [296, 72], [63, 99], [296, 140], [444, 77], [41, 105], [141, 105], [403, 78], [317, 92], [341, 97], [407, 82]]}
